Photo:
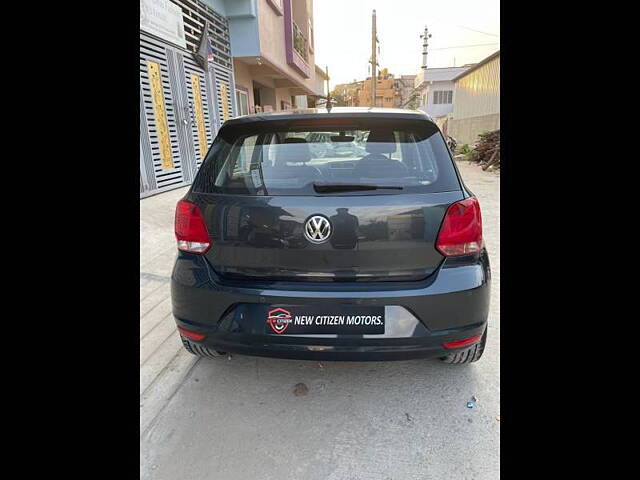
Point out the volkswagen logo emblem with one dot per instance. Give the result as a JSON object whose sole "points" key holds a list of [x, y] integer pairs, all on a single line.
{"points": [[317, 229]]}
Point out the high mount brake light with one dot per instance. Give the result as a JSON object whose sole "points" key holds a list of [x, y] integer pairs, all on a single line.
{"points": [[328, 121], [461, 230], [191, 231]]}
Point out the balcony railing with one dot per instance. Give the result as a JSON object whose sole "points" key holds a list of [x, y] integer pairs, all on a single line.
{"points": [[300, 43], [296, 44]]}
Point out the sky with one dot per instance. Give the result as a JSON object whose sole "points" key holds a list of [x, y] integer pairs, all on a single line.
{"points": [[342, 34]]}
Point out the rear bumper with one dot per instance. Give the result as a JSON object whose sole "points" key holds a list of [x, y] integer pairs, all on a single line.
{"points": [[452, 304], [336, 349]]}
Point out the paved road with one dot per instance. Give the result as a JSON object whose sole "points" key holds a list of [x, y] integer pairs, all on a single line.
{"points": [[239, 418]]}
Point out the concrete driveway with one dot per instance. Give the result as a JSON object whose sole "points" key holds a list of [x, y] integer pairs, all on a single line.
{"points": [[240, 419]]}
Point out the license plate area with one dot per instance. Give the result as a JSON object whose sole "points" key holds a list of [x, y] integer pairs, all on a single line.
{"points": [[335, 319]]}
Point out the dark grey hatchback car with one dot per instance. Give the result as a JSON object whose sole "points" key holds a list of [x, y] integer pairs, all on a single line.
{"points": [[340, 235]]}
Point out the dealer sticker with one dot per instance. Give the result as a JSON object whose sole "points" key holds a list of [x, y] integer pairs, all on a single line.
{"points": [[346, 319]]}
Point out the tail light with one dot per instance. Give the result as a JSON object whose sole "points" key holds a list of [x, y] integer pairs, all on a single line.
{"points": [[191, 232], [461, 230]]}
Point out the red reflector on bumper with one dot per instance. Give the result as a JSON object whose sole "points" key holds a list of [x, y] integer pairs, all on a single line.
{"points": [[191, 335], [462, 343]]}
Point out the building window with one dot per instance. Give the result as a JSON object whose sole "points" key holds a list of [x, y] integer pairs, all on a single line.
{"points": [[242, 100], [300, 44], [443, 96]]}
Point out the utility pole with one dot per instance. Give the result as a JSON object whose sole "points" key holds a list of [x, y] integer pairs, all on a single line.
{"points": [[374, 40], [425, 43]]}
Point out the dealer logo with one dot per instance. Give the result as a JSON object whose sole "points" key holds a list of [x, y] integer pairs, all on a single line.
{"points": [[279, 319]]}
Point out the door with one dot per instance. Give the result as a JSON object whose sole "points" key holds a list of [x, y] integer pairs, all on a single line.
{"points": [[160, 148], [178, 120], [225, 88], [242, 101], [201, 122]]}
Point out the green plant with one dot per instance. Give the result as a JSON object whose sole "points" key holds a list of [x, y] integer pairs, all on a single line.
{"points": [[471, 156], [339, 99], [465, 149]]}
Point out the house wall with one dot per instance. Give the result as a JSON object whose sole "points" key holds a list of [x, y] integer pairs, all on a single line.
{"points": [[350, 92], [442, 124], [244, 37], [283, 94], [320, 84], [243, 79], [217, 5], [440, 109], [272, 38], [478, 93], [386, 96], [466, 130], [404, 86], [268, 97], [257, 31], [476, 103]]}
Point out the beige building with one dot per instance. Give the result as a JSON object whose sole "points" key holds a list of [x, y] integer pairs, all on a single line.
{"points": [[390, 92], [476, 101], [273, 54], [349, 91], [311, 101], [385, 92]]}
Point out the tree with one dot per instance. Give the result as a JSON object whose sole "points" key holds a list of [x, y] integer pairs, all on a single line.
{"points": [[338, 99]]}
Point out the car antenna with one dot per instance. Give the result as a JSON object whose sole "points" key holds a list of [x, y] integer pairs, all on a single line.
{"points": [[329, 99]]}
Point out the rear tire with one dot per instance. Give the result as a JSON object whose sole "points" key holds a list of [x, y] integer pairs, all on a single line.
{"points": [[470, 355], [199, 350]]}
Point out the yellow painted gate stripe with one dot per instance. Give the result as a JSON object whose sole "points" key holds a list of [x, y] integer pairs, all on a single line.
{"points": [[197, 108], [225, 102], [162, 126]]}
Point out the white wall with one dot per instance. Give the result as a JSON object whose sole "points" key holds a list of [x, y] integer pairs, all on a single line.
{"points": [[437, 110], [478, 93]]}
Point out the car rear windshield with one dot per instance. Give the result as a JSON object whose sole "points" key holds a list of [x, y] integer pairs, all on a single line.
{"points": [[280, 158]]}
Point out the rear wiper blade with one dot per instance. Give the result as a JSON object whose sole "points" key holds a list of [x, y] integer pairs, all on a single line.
{"points": [[350, 187]]}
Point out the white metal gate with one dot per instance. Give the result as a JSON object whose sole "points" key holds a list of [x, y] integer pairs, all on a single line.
{"points": [[182, 106], [202, 124], [158, 122]]}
